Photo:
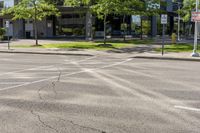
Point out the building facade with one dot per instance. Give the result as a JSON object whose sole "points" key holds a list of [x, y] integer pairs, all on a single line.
{"points": [[77, 22], [72, 22]]}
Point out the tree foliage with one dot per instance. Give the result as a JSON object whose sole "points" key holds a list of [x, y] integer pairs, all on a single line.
{"points": [[188, 6], [31, 9], [36, 10], [75, 3], [103, 8]]}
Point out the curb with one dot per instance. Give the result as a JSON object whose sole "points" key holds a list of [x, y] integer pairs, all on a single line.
{"points": [[167, 58], [44, 53]]}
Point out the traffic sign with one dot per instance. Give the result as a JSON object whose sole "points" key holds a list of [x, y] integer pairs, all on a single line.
{"points": [[163, 22], [7, 24], [195, 16], [163, 19]]}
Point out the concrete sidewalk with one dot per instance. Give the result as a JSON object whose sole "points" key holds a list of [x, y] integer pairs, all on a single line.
{"points": [[37, 50], [32, 42], [49, 51], [183, 56], [186, 56], [140, 51]]}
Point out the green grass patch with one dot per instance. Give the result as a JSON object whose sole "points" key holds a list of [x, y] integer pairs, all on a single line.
{"points": [[132, 41], [96, 45], [81, 45], [178, 48]]}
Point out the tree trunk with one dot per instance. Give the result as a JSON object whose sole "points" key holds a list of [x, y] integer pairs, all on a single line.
{"points": [[141, 34], [36, 34], [35, 26], [124, 28], [105, 29]]}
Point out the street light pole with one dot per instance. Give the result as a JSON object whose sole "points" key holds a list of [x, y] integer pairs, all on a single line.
{"points": [[195, 54]]}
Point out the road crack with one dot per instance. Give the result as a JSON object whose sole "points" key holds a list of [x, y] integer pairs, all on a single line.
{"points": [[84, 127], [39, 92], [54, 82], [43, 123]]}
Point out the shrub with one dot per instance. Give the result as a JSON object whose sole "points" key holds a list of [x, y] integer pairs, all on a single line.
{"points": [[77, 31], [2, 32]]}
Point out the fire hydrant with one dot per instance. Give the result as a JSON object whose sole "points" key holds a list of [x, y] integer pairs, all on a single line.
{"points": [[173, 38]]}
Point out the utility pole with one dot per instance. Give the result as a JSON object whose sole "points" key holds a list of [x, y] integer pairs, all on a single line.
{"points": [[195, 54]]}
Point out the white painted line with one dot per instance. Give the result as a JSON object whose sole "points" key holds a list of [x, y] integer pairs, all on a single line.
{"points": [[81, 60], [187, 108], [39, 68], [23, 70], [69, 74], [11, 83], [115, 64]]}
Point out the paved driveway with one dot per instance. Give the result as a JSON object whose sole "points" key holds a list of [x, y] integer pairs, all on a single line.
{"points": [[99, 94]]}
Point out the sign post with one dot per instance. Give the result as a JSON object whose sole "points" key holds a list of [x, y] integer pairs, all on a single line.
{"points": [[196, 19], [163, 22], [7, 27]]}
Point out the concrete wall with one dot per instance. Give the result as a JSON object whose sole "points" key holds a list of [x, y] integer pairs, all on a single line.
{"points": [[88, 26], [9, 31], [49, 28], [18, 29], [154, 26], [45, 28], [29, 28]]}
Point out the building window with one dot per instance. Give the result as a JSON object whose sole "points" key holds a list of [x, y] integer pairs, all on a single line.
{"points": [[1, 4], [68, 16]]}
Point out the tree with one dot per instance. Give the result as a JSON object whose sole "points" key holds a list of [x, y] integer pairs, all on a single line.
{"points": [[185, 11], [2, 33], [87, 5], [76, 3], [36, 10], [102, 9], [128, 7]]}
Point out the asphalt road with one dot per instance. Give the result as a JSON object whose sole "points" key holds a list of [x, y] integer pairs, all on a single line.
{"points": [[100, 94]]}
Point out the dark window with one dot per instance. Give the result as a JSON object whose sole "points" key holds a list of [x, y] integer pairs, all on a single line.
{"points": [[1, 4], [67, 16]]}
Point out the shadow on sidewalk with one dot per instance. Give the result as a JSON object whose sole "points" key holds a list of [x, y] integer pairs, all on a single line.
{"points": [[138, 49]]}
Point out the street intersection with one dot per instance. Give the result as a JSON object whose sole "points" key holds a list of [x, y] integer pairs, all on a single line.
{"points": [[98, 94]]}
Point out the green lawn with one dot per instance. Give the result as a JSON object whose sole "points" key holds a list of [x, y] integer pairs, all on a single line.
{"points": [[80, 45], [132, 41], [178, 48], [116, 44], [96, 45], [87, 45]]}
